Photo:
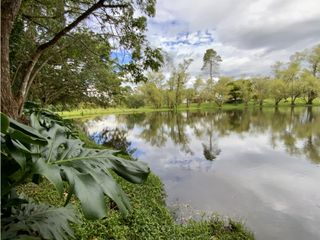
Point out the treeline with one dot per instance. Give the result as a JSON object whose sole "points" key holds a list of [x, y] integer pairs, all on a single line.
{"points": [[298, 78]]}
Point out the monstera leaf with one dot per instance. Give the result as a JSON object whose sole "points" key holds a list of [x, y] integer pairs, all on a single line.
{"points": [[16, 139], [49, 149], [33, 221], [86, 170]]}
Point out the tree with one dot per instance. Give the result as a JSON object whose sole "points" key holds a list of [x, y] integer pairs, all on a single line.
{"points": [[208, 91], [245, 91], [313, 59], [78, 74], [178, 80], [211, 62], [260, 89], [189, 95], [235, 94], [135, 101], [153, 89], [198, 87], [48, 34], [289, 73], [277, 90], [310, 86], [221, 91]]}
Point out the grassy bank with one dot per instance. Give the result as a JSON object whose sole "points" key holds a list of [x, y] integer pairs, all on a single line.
{"points": [[80, 113], [150, 218]]}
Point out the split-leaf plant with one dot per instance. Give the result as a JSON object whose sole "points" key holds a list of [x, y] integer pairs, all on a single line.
{"points": [[47, 149]]}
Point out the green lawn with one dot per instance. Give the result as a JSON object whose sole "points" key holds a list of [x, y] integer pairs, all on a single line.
{"points": [[89, 112]]}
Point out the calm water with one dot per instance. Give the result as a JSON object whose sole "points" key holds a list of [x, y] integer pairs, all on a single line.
{"points": [[260, 167]]}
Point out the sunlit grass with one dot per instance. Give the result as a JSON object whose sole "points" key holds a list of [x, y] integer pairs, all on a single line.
{"points": [[89, 112]]}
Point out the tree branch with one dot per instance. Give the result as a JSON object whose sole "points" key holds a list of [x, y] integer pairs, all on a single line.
{"points": [[26, 81]]}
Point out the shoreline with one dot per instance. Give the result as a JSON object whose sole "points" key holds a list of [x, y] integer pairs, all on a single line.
{"points": [[92, 112]]}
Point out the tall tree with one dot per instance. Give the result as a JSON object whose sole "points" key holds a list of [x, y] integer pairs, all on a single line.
{"points": [[211, 61], [178, 81], [120, 26]]}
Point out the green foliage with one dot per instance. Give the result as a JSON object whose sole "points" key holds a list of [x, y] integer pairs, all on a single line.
{"points": [[260, 89], [150, 218], [277, 90], [47, 149], [57, 56], [29, 220], [152, 94], [211, 61], [135, 101], [221, 91]]}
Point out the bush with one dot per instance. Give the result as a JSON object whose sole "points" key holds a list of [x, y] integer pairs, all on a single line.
{"points": [[135, 101]]}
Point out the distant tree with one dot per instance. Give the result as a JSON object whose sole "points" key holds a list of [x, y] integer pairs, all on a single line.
{"points": [[260, 89], [153, 95], [277, 90], [235, 94], [221, 91], [211, 61], [198, 87], [208, 91], [135, 101], [189, 95], [157, 78], [289, 73], [313, 58], [245, 90], [178, 80], [169, 95], [310, 86]]}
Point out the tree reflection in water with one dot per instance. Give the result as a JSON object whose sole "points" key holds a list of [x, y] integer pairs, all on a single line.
{"points": [[115, 139], [297, 130]]}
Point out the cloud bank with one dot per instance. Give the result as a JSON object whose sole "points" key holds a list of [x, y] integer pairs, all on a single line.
{"points": [[249, 35]]}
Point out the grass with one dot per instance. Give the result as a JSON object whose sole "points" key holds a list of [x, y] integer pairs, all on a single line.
{"points": [[150, 218], [268, 103]]}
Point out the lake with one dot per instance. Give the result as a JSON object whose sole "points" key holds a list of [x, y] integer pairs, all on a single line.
{"points": [[258, 166]]}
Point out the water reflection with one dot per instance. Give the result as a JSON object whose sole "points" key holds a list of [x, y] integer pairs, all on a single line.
{"points": [[298, 130], [260, 166], [115, 139]]}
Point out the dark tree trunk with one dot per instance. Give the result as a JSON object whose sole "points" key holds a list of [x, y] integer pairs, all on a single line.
{"points": [[311, 96], [9, 10]]}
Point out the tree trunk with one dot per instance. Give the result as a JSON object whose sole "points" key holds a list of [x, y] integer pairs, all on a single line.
{"points": [[311, 96], [9, 10], [260, 103], [10, 104]]}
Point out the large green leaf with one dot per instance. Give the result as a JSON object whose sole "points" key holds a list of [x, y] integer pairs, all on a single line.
{"points": [[39, 222], [86, 170], [4, 123], [25, 133]]}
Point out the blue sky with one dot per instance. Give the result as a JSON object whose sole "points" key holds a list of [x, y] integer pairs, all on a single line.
{"points": [[249, 35]]}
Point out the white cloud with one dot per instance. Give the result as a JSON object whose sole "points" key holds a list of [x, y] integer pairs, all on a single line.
{"points": [[249, 35]]}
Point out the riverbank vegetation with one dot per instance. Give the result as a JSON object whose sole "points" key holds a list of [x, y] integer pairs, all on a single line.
{"points": [[96, 111], [150, 218]]}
